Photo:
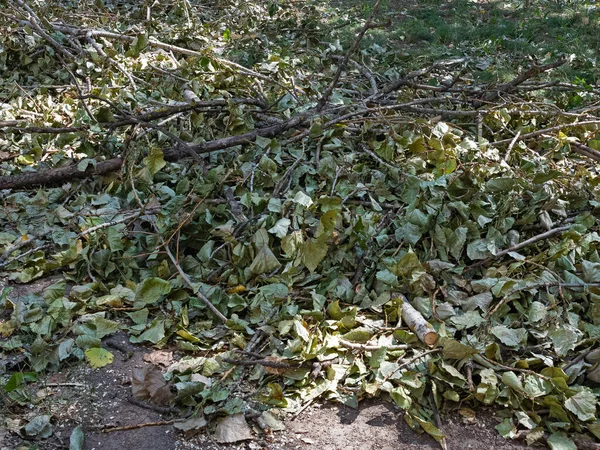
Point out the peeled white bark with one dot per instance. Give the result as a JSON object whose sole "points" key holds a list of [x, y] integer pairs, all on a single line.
{"points": [[417, 323]]}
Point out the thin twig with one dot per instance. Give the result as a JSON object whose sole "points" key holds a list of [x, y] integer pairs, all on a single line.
{"points": [[546, 130], [33, 20], [262, 362], [548, 234], [336, 78], [511, 145], [142, 425], [410, 361], [372, 348], [187, 280]]}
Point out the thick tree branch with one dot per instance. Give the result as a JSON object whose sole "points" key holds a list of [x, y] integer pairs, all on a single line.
{"points": [[52, 176]]}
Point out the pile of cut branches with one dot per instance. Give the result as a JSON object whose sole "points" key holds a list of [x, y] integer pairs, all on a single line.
{"points": [[224, 178]]}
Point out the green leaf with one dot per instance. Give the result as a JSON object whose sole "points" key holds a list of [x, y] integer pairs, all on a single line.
{"points": [[409, 266], [76, 439], [302, 199], [263, 142], [556, 409], [480, 249], [155, 333], [313, 253], [292, 243], [536, 386], [264, 261], [155, 160], [512, 380], [537, 311], [507, 429], [140, 43], [525, 420], [564, 340], [554, 372], [301, 331], [275, 291], [387, 277], [457, 241], [104, 115], [83, 165], [502, 184], [150, 291], [139, 317], [327, 222], [591, 272], [401, 397], [39, 427], [594, 428], [334, 311], [195, 423], [114, 236], [86, 341], [280, 228], [431, 429], [104, 327], [558, 441], [98, 357], [468, 320], [510, 337], [583, 405], [360, 335], [541, 178], [17, 379], [65, 348], [377, 357], [456, 350]]}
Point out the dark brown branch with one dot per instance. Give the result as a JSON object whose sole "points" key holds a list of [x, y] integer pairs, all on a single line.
{"points": [[195, 106], [70, 172], [48, 130], [408, 80], [521, 78], [11, 123], [61, 174], [585, 151]]}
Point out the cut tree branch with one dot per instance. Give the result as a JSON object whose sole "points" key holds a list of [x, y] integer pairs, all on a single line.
{"points": [[519, 246], [417, 323], [62, 174]]}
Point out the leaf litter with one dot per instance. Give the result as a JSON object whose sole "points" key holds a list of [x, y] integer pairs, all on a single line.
{"points": [[311, 225]]}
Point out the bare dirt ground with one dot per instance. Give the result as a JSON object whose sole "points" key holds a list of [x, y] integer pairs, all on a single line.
{"points": [[100, 399]]}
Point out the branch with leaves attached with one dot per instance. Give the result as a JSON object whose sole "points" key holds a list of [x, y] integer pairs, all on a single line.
{"points": [[515, 248], [71, 172]]}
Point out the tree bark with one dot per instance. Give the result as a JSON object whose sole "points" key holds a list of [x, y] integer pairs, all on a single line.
{"points": [[417, 323], [62, 174]]}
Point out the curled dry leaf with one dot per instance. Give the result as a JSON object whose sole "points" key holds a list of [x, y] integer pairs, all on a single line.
{"points": [[159, 358], [232, 429], [148, 383]]}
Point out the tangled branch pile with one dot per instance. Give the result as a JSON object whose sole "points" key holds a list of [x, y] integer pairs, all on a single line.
{"points": [[225, 177]]}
